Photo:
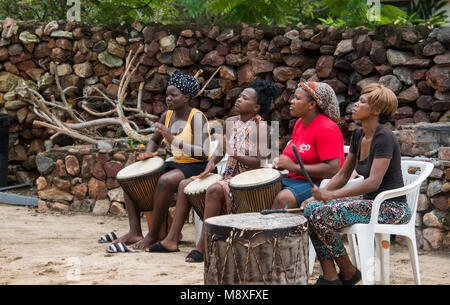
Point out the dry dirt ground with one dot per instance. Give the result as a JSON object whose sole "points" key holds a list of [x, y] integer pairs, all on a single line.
{"points": [[52, 248]]}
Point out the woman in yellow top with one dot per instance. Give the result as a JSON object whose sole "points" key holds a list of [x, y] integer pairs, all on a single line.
{"points": [[185, 129]]}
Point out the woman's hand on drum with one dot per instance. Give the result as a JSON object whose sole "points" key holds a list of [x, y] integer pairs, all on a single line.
{"points": [[209, 168], [321, 194], [144, 156], [164, 131], [283, 162]]}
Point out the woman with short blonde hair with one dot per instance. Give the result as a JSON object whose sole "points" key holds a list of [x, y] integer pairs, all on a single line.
{"points": [[375, 154]]}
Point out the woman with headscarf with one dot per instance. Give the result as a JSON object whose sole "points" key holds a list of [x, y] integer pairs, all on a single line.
{"points": [[375, 154], [183, 128], [318, 139], [245, 137]]}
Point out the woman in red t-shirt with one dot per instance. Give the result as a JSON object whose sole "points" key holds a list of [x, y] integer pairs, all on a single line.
{"points": [[318, 139]]}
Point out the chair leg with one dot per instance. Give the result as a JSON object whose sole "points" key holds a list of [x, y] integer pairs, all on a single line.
{"points": [[353, 250], [383, 246], [412, 247], [366, 256]]}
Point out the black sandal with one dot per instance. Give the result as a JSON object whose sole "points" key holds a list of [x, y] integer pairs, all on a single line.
{"points": [[158, 247], [197, 256], [355, 278], [323, 282]]}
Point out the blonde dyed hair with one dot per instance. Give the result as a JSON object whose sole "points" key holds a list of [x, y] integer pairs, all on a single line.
{"points": [[381, 98]]}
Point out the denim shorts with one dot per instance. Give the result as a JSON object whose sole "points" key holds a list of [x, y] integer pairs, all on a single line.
{"points": [[299, 188]]}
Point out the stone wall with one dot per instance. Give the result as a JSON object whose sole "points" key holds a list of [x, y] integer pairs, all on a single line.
{"points": [[413, 61], [83, 179], [430, 142]]}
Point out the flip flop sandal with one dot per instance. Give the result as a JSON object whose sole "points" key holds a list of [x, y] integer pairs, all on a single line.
{"points": [[196, 255], [158, 247], [119, 248], [107, 238]]}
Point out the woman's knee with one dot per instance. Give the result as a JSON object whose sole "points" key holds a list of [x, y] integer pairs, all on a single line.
{"points": [[310, 207], [214, 191], [183, 184], [169, 181], [283, 197]]}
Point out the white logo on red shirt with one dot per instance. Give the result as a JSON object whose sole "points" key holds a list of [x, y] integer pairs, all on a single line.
{"points": [[304, 147]]}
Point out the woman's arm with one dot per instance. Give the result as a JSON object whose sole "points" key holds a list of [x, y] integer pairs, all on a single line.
{"points": [[322, 170], [154, 143]]}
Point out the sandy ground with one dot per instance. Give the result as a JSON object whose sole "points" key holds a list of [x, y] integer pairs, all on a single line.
{"points": [[52, 248]]}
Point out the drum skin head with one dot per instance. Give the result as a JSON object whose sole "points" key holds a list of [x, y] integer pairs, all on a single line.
{"points": [[257, 221], [255, 177], [141, 168], [200, 185]]}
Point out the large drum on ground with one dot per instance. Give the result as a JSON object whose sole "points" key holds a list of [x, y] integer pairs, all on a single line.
{"points": [[196, 192], [256, 189], [252, 248], [139, 179]]}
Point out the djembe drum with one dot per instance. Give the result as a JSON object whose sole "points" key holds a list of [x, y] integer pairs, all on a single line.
{"points": [[139, 180], [196, 192], [255, 190], [252, 248]]}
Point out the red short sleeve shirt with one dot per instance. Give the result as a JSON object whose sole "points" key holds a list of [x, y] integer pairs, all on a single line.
{"points": [[321, 140]]}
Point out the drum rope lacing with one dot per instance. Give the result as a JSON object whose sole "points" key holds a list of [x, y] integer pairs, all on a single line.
{"points": [[276, 246]]}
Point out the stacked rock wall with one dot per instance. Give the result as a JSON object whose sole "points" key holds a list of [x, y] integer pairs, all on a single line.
{"points": [[83, 178], [413, 61], [430, 143]]}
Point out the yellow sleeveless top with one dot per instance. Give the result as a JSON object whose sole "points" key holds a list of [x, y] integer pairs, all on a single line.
{"points": [[186, 136]]}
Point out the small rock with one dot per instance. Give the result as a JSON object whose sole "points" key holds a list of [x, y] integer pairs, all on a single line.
{"points": [[62, 34], [27, 38], [101, 207]]}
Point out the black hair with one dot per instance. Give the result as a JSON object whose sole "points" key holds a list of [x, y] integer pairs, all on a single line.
{"points": [[266, 91]]}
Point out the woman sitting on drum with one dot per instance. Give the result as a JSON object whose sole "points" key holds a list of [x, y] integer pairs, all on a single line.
{"points": [[319, 141], [375, 153], [183, 128], [244, 154]]}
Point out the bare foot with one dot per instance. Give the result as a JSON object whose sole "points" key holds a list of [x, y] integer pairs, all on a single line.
{"points": [[129, 238], [144, 243]]}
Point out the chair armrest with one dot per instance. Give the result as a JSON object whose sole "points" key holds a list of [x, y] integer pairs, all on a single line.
{"points": [[391, 194]]}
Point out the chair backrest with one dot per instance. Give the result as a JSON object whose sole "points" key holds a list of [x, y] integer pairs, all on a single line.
{"points": [[421, 172]]}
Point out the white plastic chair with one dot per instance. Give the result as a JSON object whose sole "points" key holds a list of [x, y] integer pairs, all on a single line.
{"points": [[379, 234], [312, 251]]}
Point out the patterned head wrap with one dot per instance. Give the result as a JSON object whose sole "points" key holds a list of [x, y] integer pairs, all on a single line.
{"points": [[325, 98], [185, 83]]}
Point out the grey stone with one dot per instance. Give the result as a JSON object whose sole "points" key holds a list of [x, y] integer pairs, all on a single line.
{"points": [[396, 57], [109, 60], [434, 188], [101, 207], [391, 82], [344, 47], [27, 38], [405, 75], [62, 34], [100, 46], [44, 164]]}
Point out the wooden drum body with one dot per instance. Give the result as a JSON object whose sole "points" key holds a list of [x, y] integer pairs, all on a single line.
{"points": [[196, 191], [139, 180], [255, 190], [252, 248]]}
